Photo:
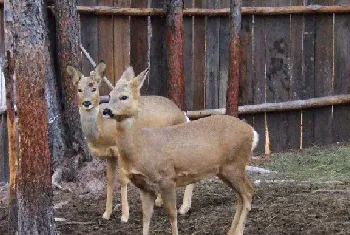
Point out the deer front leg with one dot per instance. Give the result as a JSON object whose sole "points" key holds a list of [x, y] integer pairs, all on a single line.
{"points": [[111, 167], [147, 200], [123, 179], [186, 203]]}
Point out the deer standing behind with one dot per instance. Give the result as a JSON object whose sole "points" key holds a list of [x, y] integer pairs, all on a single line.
{"points": [[101, 133], [161, 159]]}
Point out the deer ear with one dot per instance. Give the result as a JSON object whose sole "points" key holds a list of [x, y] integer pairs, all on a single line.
{"points": [[74, 73], [140, 79], [128, 74], [100, 68], [99, 71]]}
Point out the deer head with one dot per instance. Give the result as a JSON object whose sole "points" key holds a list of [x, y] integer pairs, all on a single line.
{"points": [[88, 87], [123, 102]]}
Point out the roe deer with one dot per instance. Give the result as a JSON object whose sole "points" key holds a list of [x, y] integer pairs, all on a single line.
{"points": [[161, 159], [101, 133]]}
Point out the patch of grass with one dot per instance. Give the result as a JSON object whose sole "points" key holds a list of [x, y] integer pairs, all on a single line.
{"points": [[316, 164]]}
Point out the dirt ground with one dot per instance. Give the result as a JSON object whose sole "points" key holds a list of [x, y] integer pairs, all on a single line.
{"points": [[278, 208]]}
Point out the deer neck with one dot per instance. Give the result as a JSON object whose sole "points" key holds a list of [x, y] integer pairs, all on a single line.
{"points": [[127, 135], [90, 122]]}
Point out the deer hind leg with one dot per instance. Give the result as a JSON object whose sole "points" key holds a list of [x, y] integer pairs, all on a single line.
{"points": [[147, 200], [236, 178], [186, 203], [169, 203], [111, 168]]}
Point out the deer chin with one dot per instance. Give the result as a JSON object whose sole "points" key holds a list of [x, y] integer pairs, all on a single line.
{"points": [[107, 116]]}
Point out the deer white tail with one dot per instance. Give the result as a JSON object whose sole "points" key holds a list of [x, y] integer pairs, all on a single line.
{"points": [[255, 139], [187, 119]]}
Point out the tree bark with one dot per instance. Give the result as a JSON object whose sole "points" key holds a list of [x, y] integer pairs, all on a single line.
{"points": [[68, 41], [234, 60], [175, 59], [32, 69], [57, 144], [11, 130]]}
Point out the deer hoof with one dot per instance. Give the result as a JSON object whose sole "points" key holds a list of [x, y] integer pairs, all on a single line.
{"points": [[106, 215], [184, 209], [124, 218]]}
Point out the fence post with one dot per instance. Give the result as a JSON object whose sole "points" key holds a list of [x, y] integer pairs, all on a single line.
{"points": [[174, 40], [234, 60]]}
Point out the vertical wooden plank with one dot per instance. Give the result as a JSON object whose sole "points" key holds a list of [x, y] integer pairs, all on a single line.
{"points": [[89, 35], [341, 113], [324, 74], [188, 55], [158, 75], [259, 76], [139, 57], [198, 58], [3, 153], [293, 132], [277, 74], [4, 147], [121, 52], [308, 78], [246, 74], [223, 55], [3, 125], [212, 58], [106, 45], [2, 36]]}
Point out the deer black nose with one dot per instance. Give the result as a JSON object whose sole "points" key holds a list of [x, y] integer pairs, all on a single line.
{"points": [[107, 112], [86, 103]]}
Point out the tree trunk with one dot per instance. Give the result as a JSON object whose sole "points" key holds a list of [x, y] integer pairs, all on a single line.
{"points": [[11, 127], [67, 36], [235, 59], [56, 131], [175, 57], [32, 69]]}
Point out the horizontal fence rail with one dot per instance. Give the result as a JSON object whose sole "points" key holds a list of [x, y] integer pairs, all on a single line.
{"points": [[127, 11], [311, 9]]}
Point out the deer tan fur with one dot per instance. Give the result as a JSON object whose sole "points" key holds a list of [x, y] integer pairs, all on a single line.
{"points": [[101, 133], [161, 159]]}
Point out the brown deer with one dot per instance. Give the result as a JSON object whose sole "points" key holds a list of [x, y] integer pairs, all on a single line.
{"points": [[161, 159], [101, 133]]}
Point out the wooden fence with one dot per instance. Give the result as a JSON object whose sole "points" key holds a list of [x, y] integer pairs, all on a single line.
{"points": [[287, 54], [284, 57]]}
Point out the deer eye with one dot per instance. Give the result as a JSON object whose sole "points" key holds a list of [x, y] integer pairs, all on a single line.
{"points": [[93, 89], [80, 90], [123, 97]]}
